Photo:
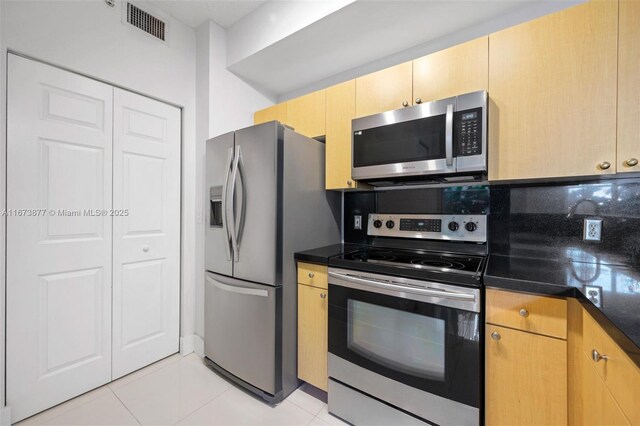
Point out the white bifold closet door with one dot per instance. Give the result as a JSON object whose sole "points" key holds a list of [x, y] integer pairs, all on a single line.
{"points": [[146, 242], [59, 137], [90, 297]]}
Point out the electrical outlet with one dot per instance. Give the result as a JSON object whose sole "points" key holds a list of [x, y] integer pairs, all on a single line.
{"points": [[357, 222], [594, 294], [592, 230]]}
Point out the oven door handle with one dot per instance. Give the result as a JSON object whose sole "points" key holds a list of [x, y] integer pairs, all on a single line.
{"points": [[395, 287]]}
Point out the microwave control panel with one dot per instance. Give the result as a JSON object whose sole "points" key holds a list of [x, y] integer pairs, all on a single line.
{"points": [[471, 228], [469, 132]]}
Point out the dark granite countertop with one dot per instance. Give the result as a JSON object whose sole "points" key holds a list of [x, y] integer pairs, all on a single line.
{"points": [[616, 306], [321, 255]]}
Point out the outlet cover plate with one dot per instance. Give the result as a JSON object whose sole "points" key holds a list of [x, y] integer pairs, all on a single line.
{"points": [[592, 230]]}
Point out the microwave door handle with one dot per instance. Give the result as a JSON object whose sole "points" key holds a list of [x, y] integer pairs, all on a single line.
{"points": [[449, 136], [225, 214], [243, 200], [231, 208]]}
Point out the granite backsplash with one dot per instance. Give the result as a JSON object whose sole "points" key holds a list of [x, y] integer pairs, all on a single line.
{"points": [[447, 200], [545, 221]]}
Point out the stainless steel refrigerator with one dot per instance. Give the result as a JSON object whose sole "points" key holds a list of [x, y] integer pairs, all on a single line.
{"points": [[265, 186]]}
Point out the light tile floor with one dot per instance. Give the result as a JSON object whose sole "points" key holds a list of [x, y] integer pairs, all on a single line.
{"points": [[181, 390]]}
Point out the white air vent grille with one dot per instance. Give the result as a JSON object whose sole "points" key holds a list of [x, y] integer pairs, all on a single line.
{"points": [[145, 21]]}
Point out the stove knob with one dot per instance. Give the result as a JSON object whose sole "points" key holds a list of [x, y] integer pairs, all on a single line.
{"points": [[470, 226], [390, 224], [377, 223], [453, 226]]}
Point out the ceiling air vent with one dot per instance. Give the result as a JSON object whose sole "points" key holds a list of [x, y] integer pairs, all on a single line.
{"points": [[146, 22]]}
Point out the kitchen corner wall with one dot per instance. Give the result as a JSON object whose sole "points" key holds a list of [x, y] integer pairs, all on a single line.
{"points": [[546, 221], [224, 103]]}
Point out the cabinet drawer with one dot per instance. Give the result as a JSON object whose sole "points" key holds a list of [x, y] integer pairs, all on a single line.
{"points": [[536, 314], [312, 274], [619, 373]]}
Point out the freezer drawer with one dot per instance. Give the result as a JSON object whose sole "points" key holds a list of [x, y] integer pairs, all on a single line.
{"points": [[240, 329]]}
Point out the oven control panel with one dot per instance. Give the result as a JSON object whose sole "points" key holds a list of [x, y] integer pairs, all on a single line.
{"points": [[470, 228]]}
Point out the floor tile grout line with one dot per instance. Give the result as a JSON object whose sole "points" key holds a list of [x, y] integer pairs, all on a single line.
{"points": [[206, 403], [144, 375], [304, 409], [127, 408]]}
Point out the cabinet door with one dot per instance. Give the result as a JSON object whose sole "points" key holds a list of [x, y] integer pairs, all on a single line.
{"points": [[306, 114], [526, 378], [629, 88], [312, 335], [384, 90], [341, 109], [460, 69], [276, 112], [599, 406], [552, 83]]}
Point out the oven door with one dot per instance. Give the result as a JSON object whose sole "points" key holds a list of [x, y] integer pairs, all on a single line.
{"points": [[412, 141], [425, 338]]}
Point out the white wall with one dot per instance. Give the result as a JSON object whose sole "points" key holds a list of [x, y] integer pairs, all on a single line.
{"points": [[89, 37], [274, 21], [224, 103]]}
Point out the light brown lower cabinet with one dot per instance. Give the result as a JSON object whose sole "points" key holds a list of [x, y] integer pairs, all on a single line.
{"points": [[599, 406], [526, 378], [312, 335]]}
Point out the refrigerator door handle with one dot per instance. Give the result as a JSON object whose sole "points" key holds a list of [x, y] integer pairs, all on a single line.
{"points": [[233, 226], [225, 205], [241, 290], [243, 200]]}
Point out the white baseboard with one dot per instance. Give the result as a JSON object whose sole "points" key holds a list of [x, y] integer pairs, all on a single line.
{"points": [[187, 345], [5, 416], [190, 344], [199, 346]]}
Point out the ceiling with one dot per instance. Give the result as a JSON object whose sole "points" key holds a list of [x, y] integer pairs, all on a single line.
{"points": [[194, 12]]}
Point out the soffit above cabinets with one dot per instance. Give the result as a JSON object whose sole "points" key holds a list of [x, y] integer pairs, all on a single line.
{"points": [[288, 48]]}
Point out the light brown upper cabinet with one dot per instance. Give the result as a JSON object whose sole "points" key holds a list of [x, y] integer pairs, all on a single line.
{"points": [[384, 90], [629, 88], [306, 114], [341, 109], [552, 82], [276, 112], [460, 69]]}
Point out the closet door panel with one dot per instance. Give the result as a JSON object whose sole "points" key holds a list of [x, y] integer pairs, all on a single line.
{"points": [[146, 231], [59, 136]]}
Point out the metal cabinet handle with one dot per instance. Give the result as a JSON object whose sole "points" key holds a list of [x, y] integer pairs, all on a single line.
{"points": [[604, 165], [323, 295], [631, 162], [597, 356], [418, 100], [496, 336], [310, 274], [405, 104], [349, 183], [524, 313]]}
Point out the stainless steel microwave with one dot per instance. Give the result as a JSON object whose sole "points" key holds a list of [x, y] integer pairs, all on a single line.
{"points": [[447, 137]]}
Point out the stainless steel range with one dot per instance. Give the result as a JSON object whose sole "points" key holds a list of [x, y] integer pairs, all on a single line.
{"points": [[405, 325]]}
